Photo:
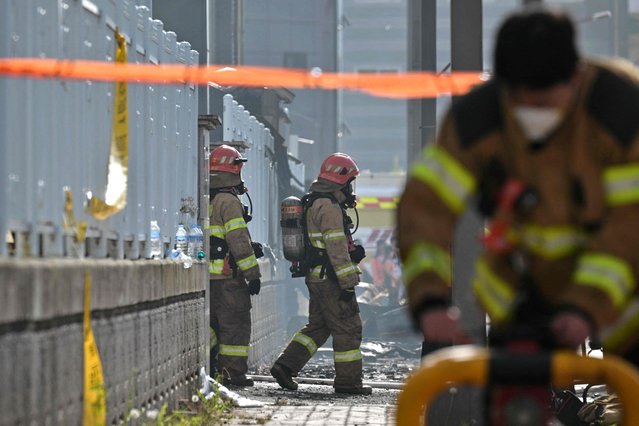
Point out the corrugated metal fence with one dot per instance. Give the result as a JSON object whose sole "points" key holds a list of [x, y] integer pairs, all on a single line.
{"points": [[244, 131], [56, 135]]}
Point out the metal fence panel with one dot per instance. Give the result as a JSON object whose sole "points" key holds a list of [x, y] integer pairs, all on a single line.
{"points": [[243, 130], [56, 135]]}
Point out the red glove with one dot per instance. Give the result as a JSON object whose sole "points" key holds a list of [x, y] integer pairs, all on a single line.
{"points": [[442, 325], [570, 329]]}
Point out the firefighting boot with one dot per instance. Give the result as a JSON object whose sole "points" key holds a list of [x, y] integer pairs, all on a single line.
{"points": [[359, 390], [283, 376], [238, 381]]}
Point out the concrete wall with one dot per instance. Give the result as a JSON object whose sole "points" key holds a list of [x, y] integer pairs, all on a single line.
{"points": [[149, 321]]}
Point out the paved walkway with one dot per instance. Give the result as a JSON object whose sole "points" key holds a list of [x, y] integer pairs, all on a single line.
{"points": [[314, 405], [317, 415]]}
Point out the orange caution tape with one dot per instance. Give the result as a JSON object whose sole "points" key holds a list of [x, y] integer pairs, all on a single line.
{"points": [[399, 85]]}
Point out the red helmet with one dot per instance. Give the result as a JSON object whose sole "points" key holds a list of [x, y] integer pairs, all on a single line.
{"points": [[225, 158], [339, 168]]}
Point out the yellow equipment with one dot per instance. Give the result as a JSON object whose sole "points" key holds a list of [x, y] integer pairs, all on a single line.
{"points": [[471, 365]]}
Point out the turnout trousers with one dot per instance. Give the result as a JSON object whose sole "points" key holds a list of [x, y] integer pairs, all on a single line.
{"points": [[329, 316], [230, 323]]}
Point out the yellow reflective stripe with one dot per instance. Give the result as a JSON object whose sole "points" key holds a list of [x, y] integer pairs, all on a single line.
{"points": [[552, 242], [234, 224], [334, 234], [216, 231], [213, 337], [348, 356], [234, 350], [319, 243], [315, 235], [306, 341], [216, 266], [494, 293], [426, 257], [608, 273], [316, 272], [624, 329], [622, 184], [247, 262], [448, 178], [344, 270]]}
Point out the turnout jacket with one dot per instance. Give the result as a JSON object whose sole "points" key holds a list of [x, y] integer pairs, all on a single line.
{"points": [[325, 227], [227, 222], [581, 239]]}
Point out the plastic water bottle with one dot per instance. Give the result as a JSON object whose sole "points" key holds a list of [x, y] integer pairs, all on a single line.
{"points": [[155, 240], [199, 246], [186, 260], [181, 239], [180, 256], [193, 240]]}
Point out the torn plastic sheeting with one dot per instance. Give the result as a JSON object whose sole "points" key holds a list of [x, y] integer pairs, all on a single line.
{"points": [[210, 387]]}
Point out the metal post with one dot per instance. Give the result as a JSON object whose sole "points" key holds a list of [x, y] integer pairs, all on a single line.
{"points": [[422, 49], [466, 55]]}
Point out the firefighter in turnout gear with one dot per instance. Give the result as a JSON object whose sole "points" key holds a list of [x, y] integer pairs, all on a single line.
{"points": [[331, 273], [233, 264], [549, 150]]}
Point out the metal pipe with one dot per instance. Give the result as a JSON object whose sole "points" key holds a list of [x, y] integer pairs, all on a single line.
{"points": [[329, 382]]}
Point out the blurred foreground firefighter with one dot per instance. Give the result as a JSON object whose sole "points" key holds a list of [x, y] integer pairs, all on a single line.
{"points": [[548, 151], [330, 267], [233, 263]]}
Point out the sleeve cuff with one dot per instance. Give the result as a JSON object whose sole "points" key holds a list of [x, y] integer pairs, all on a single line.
{"points": [[428, 304]]}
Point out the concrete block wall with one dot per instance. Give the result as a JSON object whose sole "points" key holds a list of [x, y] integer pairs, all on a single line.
{"points": [[149, 320], [268, 324]]}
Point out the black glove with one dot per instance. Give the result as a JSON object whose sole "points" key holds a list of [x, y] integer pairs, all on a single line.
{"points": [[358, 254], [254, 287], [346, 295]]}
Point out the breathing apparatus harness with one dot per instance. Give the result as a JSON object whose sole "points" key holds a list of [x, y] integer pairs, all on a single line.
{"points": [[219, 247], [314, 256]]}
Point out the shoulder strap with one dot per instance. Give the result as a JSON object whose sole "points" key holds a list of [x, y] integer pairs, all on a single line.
{"points": [[308, 200], [214, 191], [310, 197]]}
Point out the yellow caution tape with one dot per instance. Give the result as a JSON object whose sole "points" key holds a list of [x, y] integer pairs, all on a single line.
{"points": [[94, 404], [69, 219], [115, 196]]}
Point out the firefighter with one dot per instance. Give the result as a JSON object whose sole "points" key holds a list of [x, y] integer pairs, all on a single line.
{"points": [[233, 264], [549, 149], [331, 276]]}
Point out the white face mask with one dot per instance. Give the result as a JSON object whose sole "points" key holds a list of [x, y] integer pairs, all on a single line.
{"points": [[537, 122]]}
